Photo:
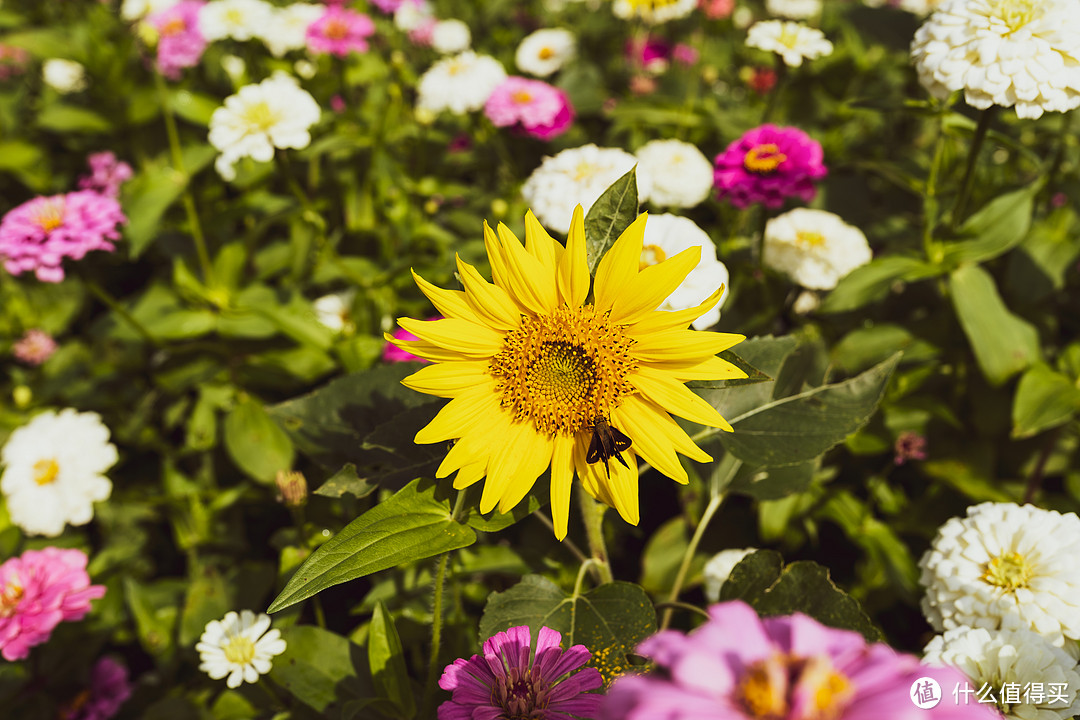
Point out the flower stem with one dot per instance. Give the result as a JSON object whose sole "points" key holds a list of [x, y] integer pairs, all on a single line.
{"points": [[969, 173], [930, 199], [774, 94], [178, 163], [592, 514], [434, 669], [113, 304], [688, 557]]}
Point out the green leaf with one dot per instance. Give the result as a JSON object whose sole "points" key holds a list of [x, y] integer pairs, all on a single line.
{"points": [[609, 216], [154, 608], [1004, 343], [1044, 399], [997, 228], [867, 346], [772, 483], [753, 375], [1039, 265], [387, 660], [346, 481], [802, 586], [663, 554], [207, 599], [194, 107], [255, 442], [321, 669], [766, 354], [610, 620], [297, 320], [799, 428], [410, 525], [153, 191], [72, 119], [872, 282]]}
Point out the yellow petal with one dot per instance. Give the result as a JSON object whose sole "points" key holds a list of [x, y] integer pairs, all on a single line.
{"points": [[682, 345], [573, 276], [649, 443], [462, 454], [673, 396], [469, 475], [619, 266], [590, 475], [562, 476], [496, 258], [620, 491], [653, 285], [425, 350], [449, 303], [448, 379], [533, 463], [520, 439], [713, 368], [468, 338], [540, 244], [533, 285], [454, 420], [660, 427], [487, 300], [662, 320]]}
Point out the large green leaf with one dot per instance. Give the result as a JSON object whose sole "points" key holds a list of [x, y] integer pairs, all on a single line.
{"points": [[387, 660], [997, 228], [1039, 265], [255, 442], [609, 216], [72, 119], [767, 355], [410, 525], [321, 669], [1044, 399], [610, 620], [1004, 344], [872, 281]]}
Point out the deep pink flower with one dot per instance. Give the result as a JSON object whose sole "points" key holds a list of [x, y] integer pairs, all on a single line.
{"points": [[41, 232], [650, 53], [739, 667], [107, 174], [180, 42], [541, 110], [340, 31], [909, 446], [392, 353], [38, 591], [389, 6], [767, 165], [34, 348], [685, 54], [109, 689], [505, 682]]}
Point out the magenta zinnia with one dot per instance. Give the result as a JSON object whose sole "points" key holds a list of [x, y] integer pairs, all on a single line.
{"points": [[109, 689], [767, 165], [738, 666], [340, 31], [180, 43], [107, 174], [40, 233], [541, 110], [512, 680]]}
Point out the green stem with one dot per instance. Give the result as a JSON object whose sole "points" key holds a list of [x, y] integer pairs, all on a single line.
{"points": [[774, 94], [434, 669], [759, 243], [688, 557], [592, 514], [113, 304], [178, 164], [969, 173], [672, 606], [567, 542], [930, 199]]}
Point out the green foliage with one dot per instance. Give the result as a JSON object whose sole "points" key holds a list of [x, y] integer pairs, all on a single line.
{"points": [[609, 216]]}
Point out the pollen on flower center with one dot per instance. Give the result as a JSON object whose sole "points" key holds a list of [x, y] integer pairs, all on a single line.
{"points": [[1015, 13], [239, 650], [173, 26], [651, 255], [763, 158], [521, 97], [564, 369], [260, 116], [45, 471], [336, 29], [769, 688], [50, 214], [545, 53], [1010, 571], [810, 238], [10, 595], [584, 170]]}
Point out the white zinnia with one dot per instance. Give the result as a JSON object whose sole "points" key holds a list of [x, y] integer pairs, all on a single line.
{"points": [[413, 15], [333, 311], [681, 175], [135, 9], [654, 11], [577, 176], [54, 470], [793, 41], [668, 235], [460, 83], [64, 76], [814, 248], [718, 570], [1015, 664], [237, 646], [274, 113], [450, 36], [795, 9], [1013, 53], [236, 19], [286, 29], [545, 51], [1005, 566]]}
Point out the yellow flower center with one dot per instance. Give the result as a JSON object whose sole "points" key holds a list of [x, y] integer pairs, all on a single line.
{"points": [[239, 650], [521, 97], [648, 5], [763, 158], [455, 67], [45, 471], [336, 29], [809, 238], [10, 595], [651, 255], [1010, 571], [259, 116], [563, 370], [1016, 13], [545, 53], [173, 26], [50, 214], [234, 16], [769, 688], [584, 170]]}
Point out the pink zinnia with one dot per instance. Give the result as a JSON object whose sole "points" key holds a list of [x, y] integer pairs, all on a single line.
{"points": [[650, 53], [392, 353], [13, 61], [389, 6], [109, 689], [738, 666], [717, 9], [41, 232], [509, 681], [541, 110], [767, 165], [38, 591], [34, 348], [340, 31], [180, 42], [107, 174]]}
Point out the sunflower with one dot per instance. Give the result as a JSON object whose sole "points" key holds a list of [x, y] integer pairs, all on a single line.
{"points": [[532, 366]]}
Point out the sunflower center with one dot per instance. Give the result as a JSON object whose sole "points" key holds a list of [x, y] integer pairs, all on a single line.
{"points": [[651, 255], [336, 29], [239, 650], [809, 238], [49, 215], [1015, 13], [763, 158], [45, 471], [811, 687], [260, 117], [521, 97], [545, 53], [564, 369], [1010, 571], [10, 595]]}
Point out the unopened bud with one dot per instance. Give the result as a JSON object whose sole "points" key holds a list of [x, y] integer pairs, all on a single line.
{"points": [[292, 488]]}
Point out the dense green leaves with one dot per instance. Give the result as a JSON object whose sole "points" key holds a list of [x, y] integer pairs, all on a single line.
{"points": [[255, 442], [1044, 399], [322, 670], [995, 229], [873, 281]]}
